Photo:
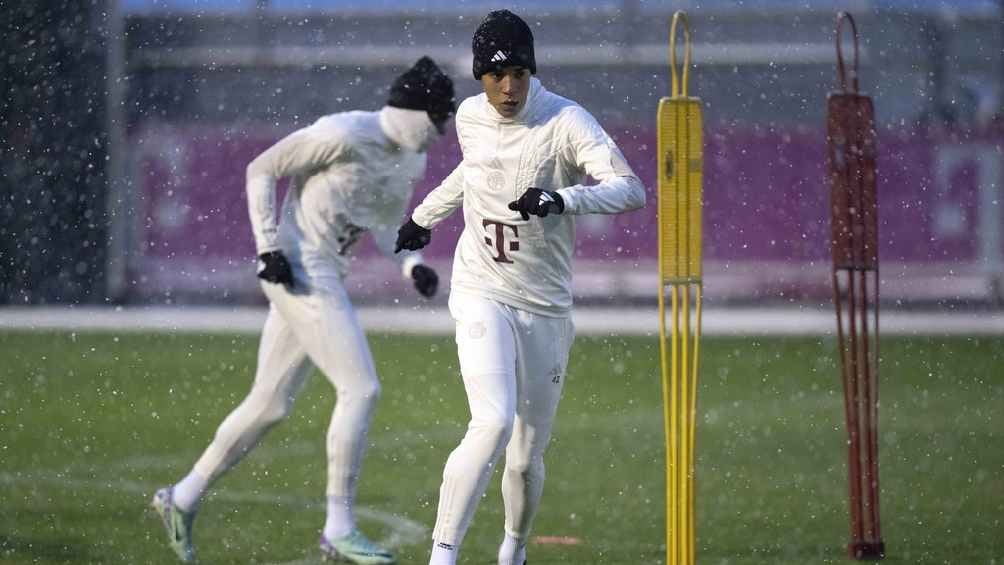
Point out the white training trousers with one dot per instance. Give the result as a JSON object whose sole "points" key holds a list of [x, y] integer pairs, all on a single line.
{"points": [[305, 328], [513, 364]]}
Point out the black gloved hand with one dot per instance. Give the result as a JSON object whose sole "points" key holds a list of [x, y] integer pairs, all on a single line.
{"points": [[539, 203], [274, 268], [412, 236], [426, 280]]}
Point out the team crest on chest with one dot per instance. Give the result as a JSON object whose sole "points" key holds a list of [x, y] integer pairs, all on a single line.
{"points": [[495, 178]]}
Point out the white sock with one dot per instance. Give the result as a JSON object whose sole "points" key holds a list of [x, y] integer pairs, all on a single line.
{"points": [[341, 520], [443, 554], [188, 492], [512, 551]]}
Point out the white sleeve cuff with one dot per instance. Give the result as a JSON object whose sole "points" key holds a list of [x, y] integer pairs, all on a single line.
{"points": [[409, 262], [568, 198]]}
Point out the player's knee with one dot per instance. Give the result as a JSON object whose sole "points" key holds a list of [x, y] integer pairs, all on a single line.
{"points": [[532, 467], [495, 429], [369, 391], [264, 406], [274, 412], [365, 391]]}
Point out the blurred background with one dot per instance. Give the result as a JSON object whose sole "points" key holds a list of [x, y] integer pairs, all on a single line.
{"points": [[127, 126]]}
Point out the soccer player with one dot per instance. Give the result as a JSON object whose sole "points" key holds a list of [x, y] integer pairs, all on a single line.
{"points": [[351, 173], [526, 153]]}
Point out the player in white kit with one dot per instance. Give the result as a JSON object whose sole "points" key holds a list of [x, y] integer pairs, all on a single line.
{"points": [[526, 153], [350, 173]]}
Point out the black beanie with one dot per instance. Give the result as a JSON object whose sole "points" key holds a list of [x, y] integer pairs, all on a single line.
{"points": [[424, 87], [502, 40]]}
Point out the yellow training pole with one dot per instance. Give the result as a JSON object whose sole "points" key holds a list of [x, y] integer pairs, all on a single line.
{"points": [[680, 165]]}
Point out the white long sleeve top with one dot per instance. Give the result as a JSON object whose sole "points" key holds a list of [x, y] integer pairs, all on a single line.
{"points": [[552, 144], [347, 177]]}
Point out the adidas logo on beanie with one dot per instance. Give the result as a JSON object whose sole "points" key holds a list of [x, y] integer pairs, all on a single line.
{"points": [[502, 40]]}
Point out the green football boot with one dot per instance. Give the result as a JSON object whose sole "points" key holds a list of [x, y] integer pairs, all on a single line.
{"points": [[355, 548], [177, 523]]}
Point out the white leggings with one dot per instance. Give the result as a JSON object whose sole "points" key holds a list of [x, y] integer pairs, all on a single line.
{"points": [[513, 363], [304, 329]]}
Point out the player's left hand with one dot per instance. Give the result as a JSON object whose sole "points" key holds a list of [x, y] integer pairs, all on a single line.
{"points": [[274, 268], [539, 203], [426, 280], [412, 237]]}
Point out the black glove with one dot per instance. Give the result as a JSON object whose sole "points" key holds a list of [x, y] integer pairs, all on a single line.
{"points": [[539, 203], [426, 280], [274, 268], [412, 236]]}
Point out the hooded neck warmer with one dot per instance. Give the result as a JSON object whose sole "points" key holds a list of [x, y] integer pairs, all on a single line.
{"points": [[526, 112], [411, 129]]}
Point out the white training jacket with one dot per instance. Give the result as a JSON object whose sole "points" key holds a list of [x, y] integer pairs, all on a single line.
{"points": [[347, 177], [552, 144]]}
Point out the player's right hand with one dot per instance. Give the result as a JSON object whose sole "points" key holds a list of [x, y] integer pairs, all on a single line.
{"points": [[412, 236], [538, 202], [274, 268]]}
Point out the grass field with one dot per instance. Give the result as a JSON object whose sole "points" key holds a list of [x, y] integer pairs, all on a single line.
{"points": [[91, 424]]}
